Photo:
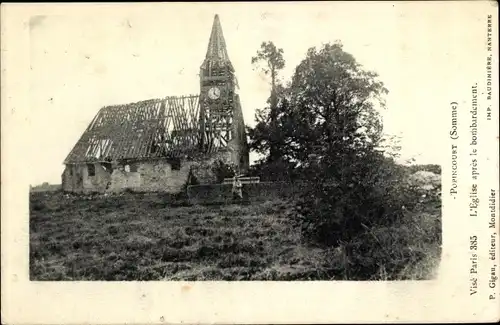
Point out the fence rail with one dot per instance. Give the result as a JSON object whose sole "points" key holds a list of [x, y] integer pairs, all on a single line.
{"points": [[243, 180]]}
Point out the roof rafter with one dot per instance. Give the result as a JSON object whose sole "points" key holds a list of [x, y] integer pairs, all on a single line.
{"points": [[140, 131]]}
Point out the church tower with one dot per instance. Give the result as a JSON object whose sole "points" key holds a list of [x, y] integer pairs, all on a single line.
{"points": [[221, 118]]}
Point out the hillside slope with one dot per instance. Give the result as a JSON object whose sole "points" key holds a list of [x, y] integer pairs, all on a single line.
{"points": [[141, 237]]}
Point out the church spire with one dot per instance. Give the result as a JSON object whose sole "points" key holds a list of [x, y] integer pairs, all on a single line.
{"points": [[217, 51]]}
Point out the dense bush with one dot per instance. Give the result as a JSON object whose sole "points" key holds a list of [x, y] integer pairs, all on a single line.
{"points": [[364, 193], [382, 223], [279, 170]]}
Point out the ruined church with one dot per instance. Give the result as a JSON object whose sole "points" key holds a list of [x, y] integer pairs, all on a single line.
{"points": [[163, 144]]}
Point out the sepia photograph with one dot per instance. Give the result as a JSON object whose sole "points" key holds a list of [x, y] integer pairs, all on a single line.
{"points": [[275, 166], [250, 162]]}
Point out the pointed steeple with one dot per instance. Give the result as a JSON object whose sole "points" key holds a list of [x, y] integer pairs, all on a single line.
{"points": [[217, 51]]}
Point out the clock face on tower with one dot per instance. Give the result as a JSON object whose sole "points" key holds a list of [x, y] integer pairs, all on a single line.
{"points": [[214, 93]]}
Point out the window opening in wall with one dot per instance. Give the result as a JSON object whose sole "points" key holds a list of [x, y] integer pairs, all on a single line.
{"points": [[133, 168], [70, 171], [175, 163], [91, 169], [107, 167], [127, 168]]}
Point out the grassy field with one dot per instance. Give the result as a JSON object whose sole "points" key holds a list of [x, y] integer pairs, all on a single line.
{"points": [[141, 237]]}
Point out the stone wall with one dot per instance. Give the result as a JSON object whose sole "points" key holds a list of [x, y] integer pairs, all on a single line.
{"points": [[142, 176], [150, 176], [238, 145], [76, 178], [201, 168]]}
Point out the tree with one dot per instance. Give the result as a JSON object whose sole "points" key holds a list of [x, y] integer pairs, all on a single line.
{"points": [[269, 139], [329, 131], [337, 138], [270, 59], [335, 105]]}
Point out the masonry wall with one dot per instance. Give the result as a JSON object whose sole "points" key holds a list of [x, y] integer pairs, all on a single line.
{"points": [[201, 168], [238, 145], [150, 176], [141, 176], [76, 178]]}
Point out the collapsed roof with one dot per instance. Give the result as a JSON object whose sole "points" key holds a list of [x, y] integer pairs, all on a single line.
{"points": [[167, 127]]}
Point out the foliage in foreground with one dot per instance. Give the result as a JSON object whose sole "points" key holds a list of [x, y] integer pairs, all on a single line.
{"points": [[384, 226]]}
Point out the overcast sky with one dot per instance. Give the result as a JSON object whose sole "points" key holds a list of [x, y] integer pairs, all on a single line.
{"points": [[84, 58]]}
